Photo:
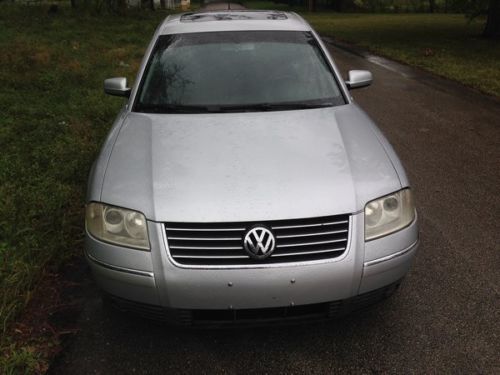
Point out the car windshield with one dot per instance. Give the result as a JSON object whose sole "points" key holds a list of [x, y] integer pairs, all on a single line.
{"points": [[237, 71]]}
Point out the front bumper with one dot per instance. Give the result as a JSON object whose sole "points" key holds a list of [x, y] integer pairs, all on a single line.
{"points": [[151, 278], [251, 317]]}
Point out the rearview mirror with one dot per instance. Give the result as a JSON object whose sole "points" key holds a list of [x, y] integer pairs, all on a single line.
{"points": [[117, 87], [359, 78]]}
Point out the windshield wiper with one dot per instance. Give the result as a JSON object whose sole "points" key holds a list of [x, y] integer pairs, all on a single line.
{"points": [[174, 108], [273, 107], [259, 107]]}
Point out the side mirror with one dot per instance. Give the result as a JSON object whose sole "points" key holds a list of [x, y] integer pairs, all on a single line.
{"points": [[117, 87], [359, 78]]}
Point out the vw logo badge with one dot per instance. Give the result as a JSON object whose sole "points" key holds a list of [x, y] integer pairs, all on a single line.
{"points": [[259, 242]]}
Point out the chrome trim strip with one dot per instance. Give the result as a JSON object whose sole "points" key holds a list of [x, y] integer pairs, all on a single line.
{"points": [[205, 238], [310, 243], [313, 234], [212, 257], [391, 256], [307, 252], [205, 229], [207, 247], [119, 269], [310, 225]]}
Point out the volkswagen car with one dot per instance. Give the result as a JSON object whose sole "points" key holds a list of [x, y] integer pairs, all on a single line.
{"points": [[241, 182]]}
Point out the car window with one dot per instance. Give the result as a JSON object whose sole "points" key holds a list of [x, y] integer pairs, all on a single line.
{"points": [[237, 71]]}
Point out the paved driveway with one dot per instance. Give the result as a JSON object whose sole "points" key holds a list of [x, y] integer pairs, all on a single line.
{"points": [[445, 318]]}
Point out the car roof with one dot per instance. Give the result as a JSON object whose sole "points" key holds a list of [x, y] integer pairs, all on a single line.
{"points": [[233, 20]]}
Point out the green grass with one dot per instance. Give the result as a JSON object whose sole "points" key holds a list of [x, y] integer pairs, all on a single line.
{"points": [[445, 44], [53, 118], [22, 360]]}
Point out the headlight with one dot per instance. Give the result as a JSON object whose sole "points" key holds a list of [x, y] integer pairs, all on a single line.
{"points": [[388, 214], [117, 225]]}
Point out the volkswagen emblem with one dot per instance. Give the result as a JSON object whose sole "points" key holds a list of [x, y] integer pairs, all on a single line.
{"points": [[259, 242]]}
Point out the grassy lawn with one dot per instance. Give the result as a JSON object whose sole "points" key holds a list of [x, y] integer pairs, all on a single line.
{"points": [[53, 118], [445, 44]]}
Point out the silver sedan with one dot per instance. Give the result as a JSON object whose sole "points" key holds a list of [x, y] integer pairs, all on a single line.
{"points": [[240, 182]]}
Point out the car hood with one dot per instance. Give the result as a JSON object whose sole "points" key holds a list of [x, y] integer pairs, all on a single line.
{"points": [[251, 166]]}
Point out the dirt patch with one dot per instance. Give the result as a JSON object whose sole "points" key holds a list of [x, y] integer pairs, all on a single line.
{"points": [[50, 316]]}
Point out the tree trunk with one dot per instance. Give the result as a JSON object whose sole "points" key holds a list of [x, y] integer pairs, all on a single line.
{"points": [[152, 4], [338, 6], [492, 28], [162, 4], [73, 4], [312, 5], [122, 6], [432, 6]]}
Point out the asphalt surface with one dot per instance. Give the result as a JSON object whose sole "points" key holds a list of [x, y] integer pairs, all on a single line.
{"points": [[445, 317]]}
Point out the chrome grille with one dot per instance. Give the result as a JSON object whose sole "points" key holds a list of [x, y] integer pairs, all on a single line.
{"points": [[220, 244]]}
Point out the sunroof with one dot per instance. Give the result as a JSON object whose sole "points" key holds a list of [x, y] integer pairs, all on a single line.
{"points": [[232, 16]]}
